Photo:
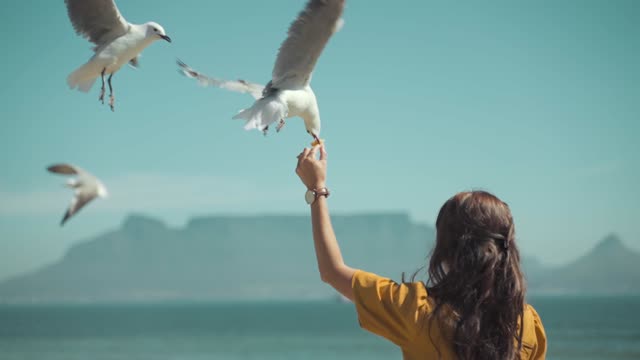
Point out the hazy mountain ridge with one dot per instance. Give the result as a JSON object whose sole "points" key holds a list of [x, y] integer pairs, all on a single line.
{"points": [[222, 257], [271, 257], [609, 268]]}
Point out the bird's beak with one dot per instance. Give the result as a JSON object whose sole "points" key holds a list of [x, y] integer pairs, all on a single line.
{"points": [[165, 37]]}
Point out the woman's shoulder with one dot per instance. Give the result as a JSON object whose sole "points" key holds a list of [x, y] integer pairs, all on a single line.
{"points": [[388, 308], [529, 308], [534, 339], [414, 291], [531, 317]]}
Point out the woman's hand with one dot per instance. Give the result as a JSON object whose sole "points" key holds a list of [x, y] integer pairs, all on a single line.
{"points": [[312, 171]]}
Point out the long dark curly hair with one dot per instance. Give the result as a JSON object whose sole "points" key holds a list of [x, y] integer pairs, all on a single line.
{"points": [[475, 278]]}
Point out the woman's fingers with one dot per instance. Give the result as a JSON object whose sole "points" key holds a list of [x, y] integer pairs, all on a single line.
{"points": [[313, 152], [310, 154], [310, 170], [323, 153], [302, 155]]}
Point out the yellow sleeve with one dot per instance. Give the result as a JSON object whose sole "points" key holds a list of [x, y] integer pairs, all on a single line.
{"points": [[541, 337], [386, 308]]}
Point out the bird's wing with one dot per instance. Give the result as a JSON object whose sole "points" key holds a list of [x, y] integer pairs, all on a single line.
{"points": [[65, 169], [99, 21], [307, 37], [241, 86], [78, 202]]}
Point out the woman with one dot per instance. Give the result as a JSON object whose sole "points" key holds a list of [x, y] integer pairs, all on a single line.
{"points": [[472, 307]]}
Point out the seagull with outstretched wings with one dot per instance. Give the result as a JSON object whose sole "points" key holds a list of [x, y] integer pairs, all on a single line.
{"points": [[289, 93], [117, 42], [86, 187]]}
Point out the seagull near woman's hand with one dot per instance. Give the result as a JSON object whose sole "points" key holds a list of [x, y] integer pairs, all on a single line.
{"points": [[117, 42], [87, 187], [289, 93]]}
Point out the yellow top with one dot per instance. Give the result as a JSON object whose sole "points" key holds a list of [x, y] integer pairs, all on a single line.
{"points": [[397, 313]]}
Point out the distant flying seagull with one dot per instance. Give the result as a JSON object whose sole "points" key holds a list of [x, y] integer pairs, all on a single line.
{"points": [[288, 94], [87, 187], [117, 42]]}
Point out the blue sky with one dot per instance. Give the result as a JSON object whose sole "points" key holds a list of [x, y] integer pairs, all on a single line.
{"points": [[536, 102]]}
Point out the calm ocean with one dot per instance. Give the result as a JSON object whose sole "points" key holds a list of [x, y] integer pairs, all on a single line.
{"points": [[578, 328]]}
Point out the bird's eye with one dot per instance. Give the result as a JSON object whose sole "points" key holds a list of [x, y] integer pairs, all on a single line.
{"points": [[154, 29]]}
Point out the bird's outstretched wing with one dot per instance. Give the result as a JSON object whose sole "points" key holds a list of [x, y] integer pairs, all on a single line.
{"points": [[99, 21], [241, 86], [78, 202], [65, 169], [307, 37], [68, 169]]}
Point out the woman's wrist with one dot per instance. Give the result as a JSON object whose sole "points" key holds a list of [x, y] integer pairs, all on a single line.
{"points": [[319, 185]]}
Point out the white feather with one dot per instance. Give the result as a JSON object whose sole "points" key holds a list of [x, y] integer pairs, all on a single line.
{"points": [[263, 113]]}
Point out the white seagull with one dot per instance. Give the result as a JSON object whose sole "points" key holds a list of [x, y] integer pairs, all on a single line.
{"points": [[289, 93], [117, 42], [87, 187]]}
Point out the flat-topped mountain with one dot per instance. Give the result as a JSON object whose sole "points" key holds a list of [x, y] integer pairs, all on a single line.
{"points": [[222, 257], [272, 257]]}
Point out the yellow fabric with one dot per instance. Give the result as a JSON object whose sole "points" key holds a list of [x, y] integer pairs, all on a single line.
{"points": [[397, 312]]}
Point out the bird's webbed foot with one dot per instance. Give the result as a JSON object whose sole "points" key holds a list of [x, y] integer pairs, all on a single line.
{"points": [[280, 125]]}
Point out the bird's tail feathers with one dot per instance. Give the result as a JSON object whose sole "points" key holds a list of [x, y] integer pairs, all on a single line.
{"points": [[83, 77], [263, 112]]}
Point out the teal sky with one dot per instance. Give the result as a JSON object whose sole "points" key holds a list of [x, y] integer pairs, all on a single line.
{"points": [[538, 102]]}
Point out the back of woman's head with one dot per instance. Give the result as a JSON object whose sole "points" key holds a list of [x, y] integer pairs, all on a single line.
{"points": [[474, 274]]}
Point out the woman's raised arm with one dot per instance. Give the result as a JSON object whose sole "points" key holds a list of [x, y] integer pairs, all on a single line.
{"points": [[333, 270]]}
